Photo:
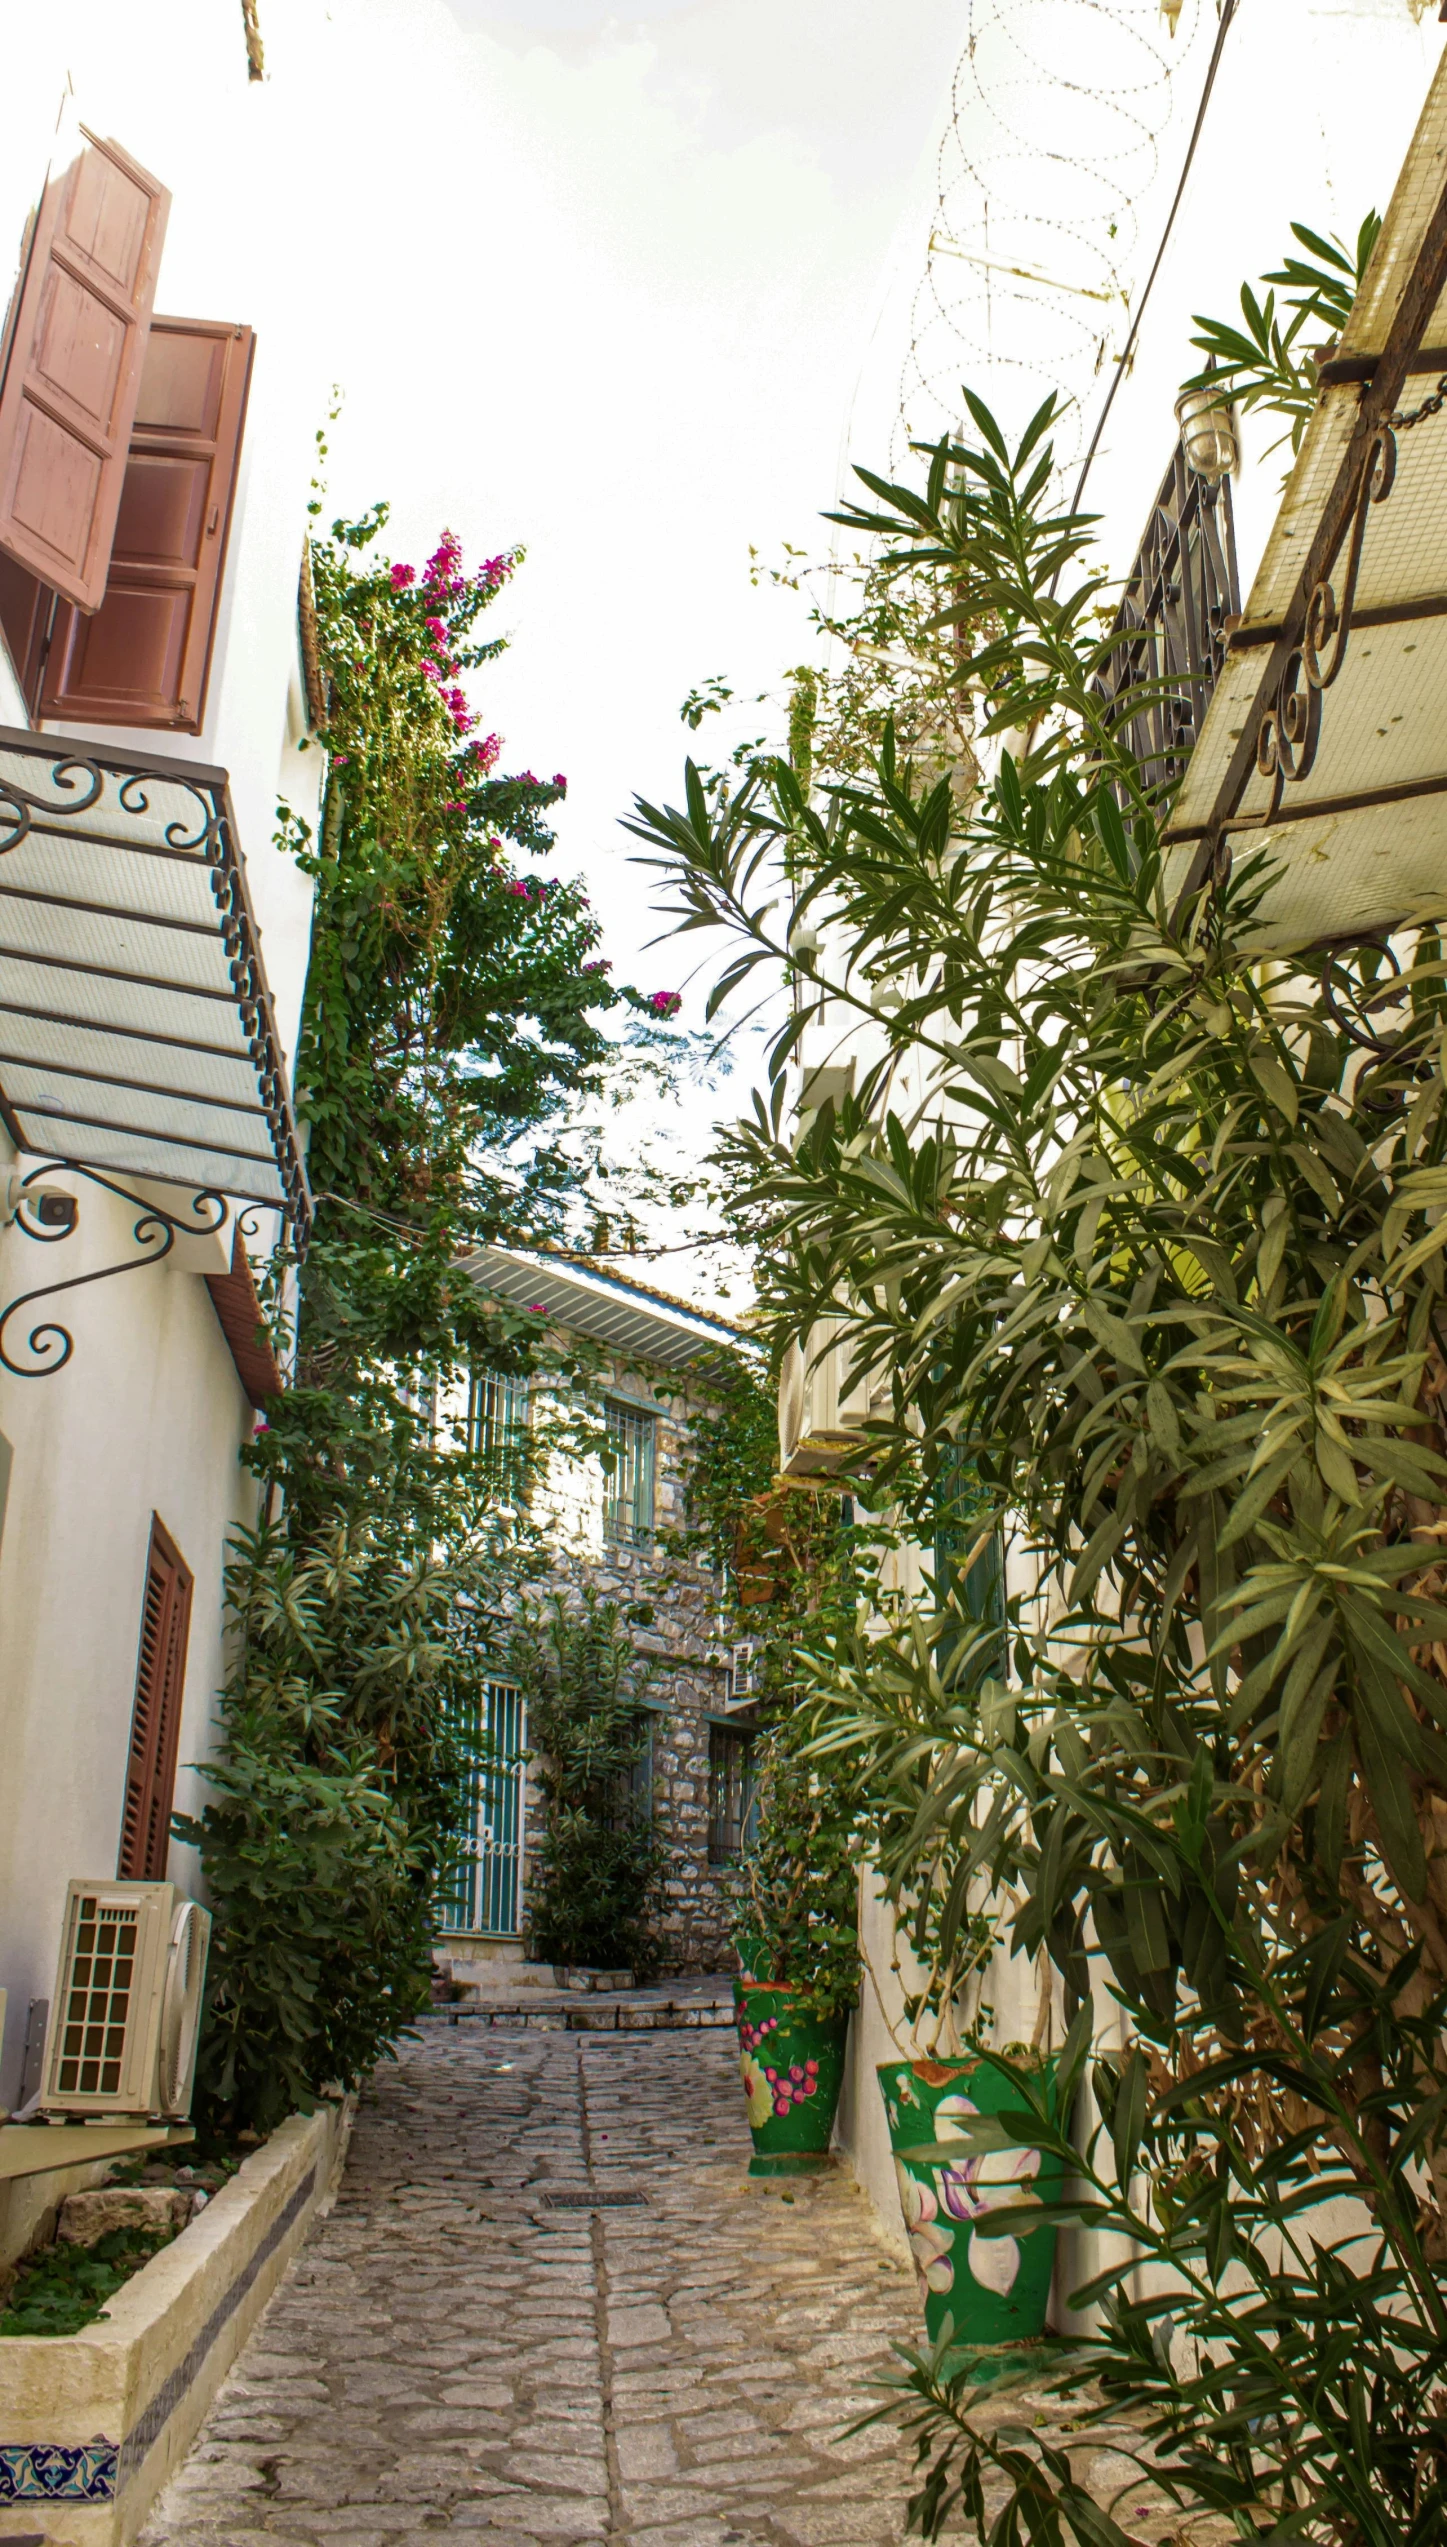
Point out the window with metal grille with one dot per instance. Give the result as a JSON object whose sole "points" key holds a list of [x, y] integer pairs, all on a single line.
{"points": [[730, 1792], [481, 1888], [497, 1426], [98, 1999], [156, 1716], [629, 1460]]}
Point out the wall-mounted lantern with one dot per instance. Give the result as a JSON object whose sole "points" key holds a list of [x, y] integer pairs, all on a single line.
{"points": [[1208, 433]]}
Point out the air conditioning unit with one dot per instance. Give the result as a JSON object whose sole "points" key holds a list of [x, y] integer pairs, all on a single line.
{"points": [[127, 2001]]}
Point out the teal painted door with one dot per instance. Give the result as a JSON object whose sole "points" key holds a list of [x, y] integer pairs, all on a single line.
{"points": [[484, 1888]]}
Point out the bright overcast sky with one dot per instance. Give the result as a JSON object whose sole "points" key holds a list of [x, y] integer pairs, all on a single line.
{"points": [[625, 269]]}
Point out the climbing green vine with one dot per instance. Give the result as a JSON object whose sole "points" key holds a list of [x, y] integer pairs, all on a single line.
{"points": [[457, 1017]]}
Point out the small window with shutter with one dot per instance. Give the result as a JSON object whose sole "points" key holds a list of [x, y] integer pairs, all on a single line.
{"points": [[156, 1721], [75, 344]]}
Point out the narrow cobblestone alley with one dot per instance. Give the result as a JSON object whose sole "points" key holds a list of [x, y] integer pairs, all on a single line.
{"points": [[451, 2354]]}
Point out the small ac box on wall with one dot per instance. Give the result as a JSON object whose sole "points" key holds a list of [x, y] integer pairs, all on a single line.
{"points": [[127, 2001]]}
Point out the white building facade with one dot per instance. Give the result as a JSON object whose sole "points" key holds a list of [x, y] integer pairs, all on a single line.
{"points": [[160, 388], [1242, 120]]}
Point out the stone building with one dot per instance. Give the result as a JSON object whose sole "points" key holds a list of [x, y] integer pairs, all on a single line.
{"points": [[615, 1519]]}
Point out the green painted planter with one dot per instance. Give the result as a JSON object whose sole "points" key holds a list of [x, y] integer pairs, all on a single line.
{"points": [[792, 2065], [994, 2291]]}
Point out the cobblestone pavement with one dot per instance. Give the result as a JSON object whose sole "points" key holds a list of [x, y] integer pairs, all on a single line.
{"points": [[451, 2356]]}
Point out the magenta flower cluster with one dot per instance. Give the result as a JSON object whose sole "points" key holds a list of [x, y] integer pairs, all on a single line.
{"points": [[789, 2089], [666, 1003], [486, 750]]}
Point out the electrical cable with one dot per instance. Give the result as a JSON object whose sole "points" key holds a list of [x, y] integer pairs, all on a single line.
{"points": [[1228, 12]]}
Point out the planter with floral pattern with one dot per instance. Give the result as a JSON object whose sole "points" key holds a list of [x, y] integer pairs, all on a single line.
{"points": [[994, 2290], [792, 2064]]}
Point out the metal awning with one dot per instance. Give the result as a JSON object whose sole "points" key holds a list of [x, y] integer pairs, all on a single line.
{"points": [[136, 1030], [1326, 740], [636, 1322]]}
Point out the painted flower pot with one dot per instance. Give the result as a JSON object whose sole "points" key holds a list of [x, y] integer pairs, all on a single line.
{"points": [[792, 2064], [994, 2290]]}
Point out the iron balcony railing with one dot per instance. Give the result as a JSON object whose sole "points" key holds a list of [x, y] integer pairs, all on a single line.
{"points": [[1170, 633]]}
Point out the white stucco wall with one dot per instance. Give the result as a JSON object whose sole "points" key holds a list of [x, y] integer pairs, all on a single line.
{"points": [[149, 1415]]}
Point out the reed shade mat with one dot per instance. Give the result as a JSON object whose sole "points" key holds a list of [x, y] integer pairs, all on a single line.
{"points": [[1326, 740], [578, 2198], [136, 1028], [37, 2149]]}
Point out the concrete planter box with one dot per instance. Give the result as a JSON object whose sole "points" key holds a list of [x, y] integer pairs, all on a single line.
{"points": [[92, 2425]]}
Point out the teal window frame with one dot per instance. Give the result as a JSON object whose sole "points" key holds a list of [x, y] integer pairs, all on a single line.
{"points": [[732, 1805], [499, 1415], [630, 1463], [481, 1888]]}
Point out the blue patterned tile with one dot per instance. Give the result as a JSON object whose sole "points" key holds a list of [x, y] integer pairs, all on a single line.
{"points": [[50, 2472]]}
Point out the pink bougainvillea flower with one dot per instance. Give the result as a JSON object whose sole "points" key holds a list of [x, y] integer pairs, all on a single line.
{"points": [[536, 1309], [560, 782], [432, 670], [666, 1003], [341, 758], [487, 748], [436, 630], [519, 885], [402, 576], [455, 805]]}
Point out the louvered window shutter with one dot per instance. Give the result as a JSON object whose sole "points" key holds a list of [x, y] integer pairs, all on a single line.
{"points": [[156, 1722], [73, 367], [144, 657]]}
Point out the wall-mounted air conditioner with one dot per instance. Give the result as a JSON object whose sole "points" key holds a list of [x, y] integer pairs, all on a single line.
{"points": [[127, 2001]]}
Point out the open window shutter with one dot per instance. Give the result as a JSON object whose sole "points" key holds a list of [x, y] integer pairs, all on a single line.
{"points": [[156, 1721], [73, 367], [144, 656]]}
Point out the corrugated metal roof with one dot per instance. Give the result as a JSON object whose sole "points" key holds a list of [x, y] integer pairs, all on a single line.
{"points": [[640, 1324], [136, 1031]]}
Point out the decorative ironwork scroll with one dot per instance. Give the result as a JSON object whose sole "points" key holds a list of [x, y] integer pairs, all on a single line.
{"points": [[1289, 733], [50, 1343], [20, 805]]}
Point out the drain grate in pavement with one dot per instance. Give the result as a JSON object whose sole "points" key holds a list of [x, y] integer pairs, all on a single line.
{"points": [[567, 2197]]}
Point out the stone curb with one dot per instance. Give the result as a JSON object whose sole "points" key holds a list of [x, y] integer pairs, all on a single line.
{"points": [[585, 2020], [93, 2424]]}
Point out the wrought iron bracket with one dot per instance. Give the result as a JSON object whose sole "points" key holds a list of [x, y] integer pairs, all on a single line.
{"points": [[155, 1233]]}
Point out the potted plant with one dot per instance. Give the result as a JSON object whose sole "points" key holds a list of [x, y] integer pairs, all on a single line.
{"points": [[796, 1932], [967, 2117]]}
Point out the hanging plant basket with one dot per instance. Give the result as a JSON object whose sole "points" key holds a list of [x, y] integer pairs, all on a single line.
{"points": [[994, 2290], [792, 2064]]}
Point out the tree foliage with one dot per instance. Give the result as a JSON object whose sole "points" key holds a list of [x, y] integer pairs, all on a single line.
{"points": [[1147, 1219], [596, 1884]]}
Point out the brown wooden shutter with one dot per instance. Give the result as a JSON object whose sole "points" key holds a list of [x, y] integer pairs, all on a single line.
{"points": [[144, 656], [73, 367], [156, 1722]]}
